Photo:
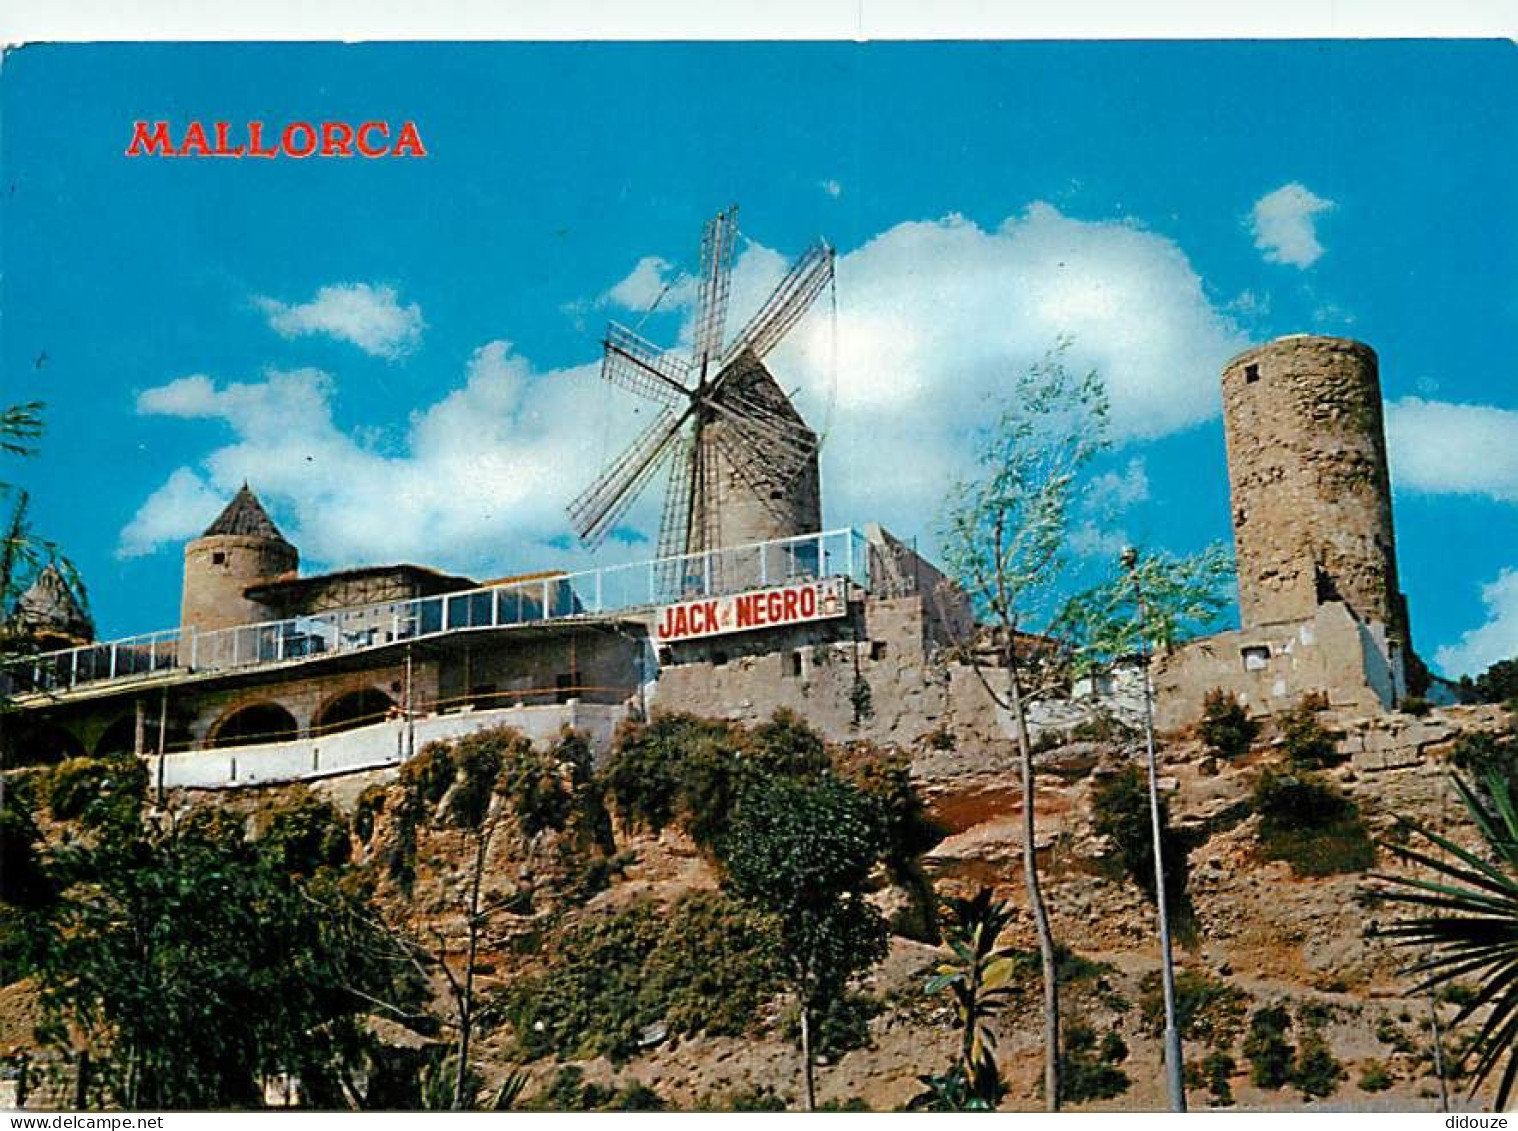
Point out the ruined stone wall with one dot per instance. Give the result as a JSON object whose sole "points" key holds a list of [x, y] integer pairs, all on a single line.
{"points": [[1311, 497], [1269, 667], [219, 567]]}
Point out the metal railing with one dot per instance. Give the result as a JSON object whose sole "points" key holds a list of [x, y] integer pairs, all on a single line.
{"points": [[557, 597]]}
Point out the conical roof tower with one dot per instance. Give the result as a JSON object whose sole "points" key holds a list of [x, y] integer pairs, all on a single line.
{"points": [[51, 609], [240, 549]]}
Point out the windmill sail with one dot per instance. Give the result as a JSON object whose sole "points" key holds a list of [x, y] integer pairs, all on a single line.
{"points": [[742, 461]]}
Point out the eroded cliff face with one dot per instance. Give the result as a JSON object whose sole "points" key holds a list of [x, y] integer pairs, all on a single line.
{"points": [[1253, 934]]}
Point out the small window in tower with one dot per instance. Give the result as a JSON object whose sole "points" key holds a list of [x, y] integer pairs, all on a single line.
{"points": [[877, 650], [719, 659], [218, 557], [1251, 374], [796, 663], [1256, 657], [564, 687]]}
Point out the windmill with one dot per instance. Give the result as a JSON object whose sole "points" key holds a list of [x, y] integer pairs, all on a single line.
{"points": [[741, 462]]}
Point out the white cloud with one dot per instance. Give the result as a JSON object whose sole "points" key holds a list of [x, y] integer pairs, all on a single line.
{"points": [[370, 317], [179, 510], [1460, 449], [1284, 223], [831, 187], [934, 320], [648, 283], [1495, 640], [1119, 490]]}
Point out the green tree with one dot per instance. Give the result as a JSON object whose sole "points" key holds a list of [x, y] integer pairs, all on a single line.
{"points": [[195, 965], [1466, 927], [802, 850], [1006, 544]]}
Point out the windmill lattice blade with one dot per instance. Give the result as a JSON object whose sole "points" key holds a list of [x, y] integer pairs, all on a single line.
{"points": [[637, 364], [674, 524], [783, 309], [718, 240], [598, 509]]}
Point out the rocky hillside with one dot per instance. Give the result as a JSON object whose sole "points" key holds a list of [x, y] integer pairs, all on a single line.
{"points": [[1287, 997]]}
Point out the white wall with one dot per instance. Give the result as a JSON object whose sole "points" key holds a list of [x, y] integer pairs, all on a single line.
{"points": [[373, 747]]}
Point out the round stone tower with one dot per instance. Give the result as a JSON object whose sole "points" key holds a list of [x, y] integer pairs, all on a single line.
{"points": [[240, 549], [1312, 517]]}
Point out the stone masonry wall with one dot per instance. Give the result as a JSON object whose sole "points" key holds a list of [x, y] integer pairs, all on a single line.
{"points": [[1311, 497]]}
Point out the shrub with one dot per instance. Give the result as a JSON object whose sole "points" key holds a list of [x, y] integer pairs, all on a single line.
{"points": [[1090, 1067], [97, 791], [1266, 1048], [568, 1091], [1207, 1009], [1307, 821], [306, 834], [1416, 705], [677, 766], [1102, 726], [1481, 754], [704, 964], [842, 1027], [1217, 1073], [1308, 744], [1226, 728], [1376, 1077], [371, 803], [1316, 1072], [1388, 1032], [1121, 808]]}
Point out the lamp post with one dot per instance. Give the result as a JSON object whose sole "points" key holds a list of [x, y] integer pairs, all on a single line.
{"points": [[1174, 1065]]}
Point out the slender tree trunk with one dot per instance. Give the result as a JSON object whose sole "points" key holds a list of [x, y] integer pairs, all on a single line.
{"points": [[808, 1076], [1036, 899], [466, 997]]}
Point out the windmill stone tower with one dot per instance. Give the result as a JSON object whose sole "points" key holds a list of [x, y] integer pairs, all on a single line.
{"points": [[741, 462], [1307, 468], [240, 549]]}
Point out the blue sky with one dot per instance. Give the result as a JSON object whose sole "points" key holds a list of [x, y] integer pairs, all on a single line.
{"points": [[400, 354]]}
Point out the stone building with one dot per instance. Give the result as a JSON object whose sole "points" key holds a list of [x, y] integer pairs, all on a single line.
{"points": [[272, 676], [1319, 601]]}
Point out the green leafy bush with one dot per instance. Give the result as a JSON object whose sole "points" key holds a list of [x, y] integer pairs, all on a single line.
{"points": [[1376, 1077], [569, 1091], [1307, 821], [1226, 728], [1266, 1048], [1090, 1067], [1308, 744], [1207, 1009], [1121, 808], [1316, 1071], [1480, 754], [366, 812], [97, 792], [1416, 705], [305, 834], [703, 964]]}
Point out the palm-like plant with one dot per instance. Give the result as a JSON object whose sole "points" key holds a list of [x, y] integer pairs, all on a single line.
{"points": [[980, 976], [1469, 928]]}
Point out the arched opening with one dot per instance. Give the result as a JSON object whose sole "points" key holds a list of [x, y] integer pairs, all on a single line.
{"points": [[44, 744], [119, 738], [353, 709], [257, 722]]}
